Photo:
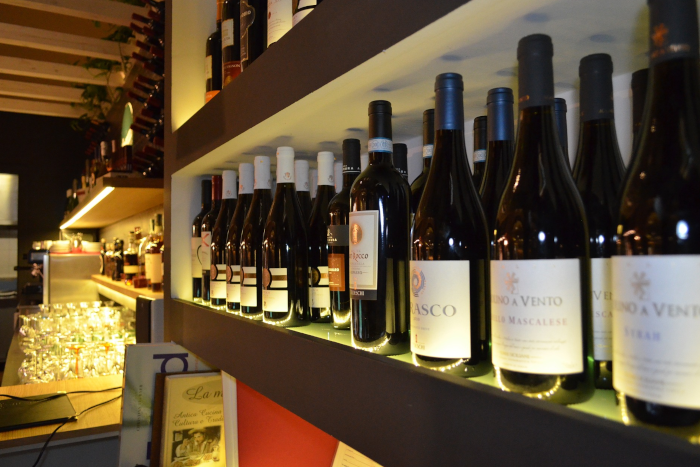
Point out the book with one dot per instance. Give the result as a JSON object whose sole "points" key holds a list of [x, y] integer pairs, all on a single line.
{"points": [[142, 363], [193, 421]]}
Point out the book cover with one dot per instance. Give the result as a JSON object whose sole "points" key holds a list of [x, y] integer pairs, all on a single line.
{"points": [[193, 421], [142, 363]]}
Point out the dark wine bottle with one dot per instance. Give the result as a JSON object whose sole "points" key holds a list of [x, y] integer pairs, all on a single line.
{"points": [[285, 252], [253, 30], [540, 275], [562, 130], [303, 185], [499, 153], [418, 184], [598, 174], [208, 222], [450, 317], [279, 19], [338, 238], [212, 66], [479, 155], [640, 79], [251, 241], [319, 293], [233, 239], [230, 47], [379, 245], [399, 158], [218, 252], [656, 348], [131, 260], [196, 260]]}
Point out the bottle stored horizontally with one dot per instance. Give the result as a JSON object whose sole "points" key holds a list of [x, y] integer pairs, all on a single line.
{"points": [[154, 257], [131, 260], [562, 129], [212, 64], [339, 238], [450, 252], [319, 293], [499, 158], [230, 40], [399, 158], [218, 252], [208, 222], [279, 19], [303, 8], [253, 30], [379, 245], [479, 155], [303, 185], [655, 276], [233, 239], [251, 241], [540, 275], [598, 173], [418, 184], [285, 252], [196, 244]]}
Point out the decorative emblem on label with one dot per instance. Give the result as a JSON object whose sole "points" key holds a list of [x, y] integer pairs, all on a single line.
{"points": [[214, 272], [417, 282], [355, 234], [640, 282], [267, 277], [512, 283]]}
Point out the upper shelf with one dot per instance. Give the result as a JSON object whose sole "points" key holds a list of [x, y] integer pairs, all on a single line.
{"points": [[113, 199], [310, 90]]}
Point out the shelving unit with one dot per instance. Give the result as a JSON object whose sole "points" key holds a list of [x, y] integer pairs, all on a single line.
{"points": [[113, 199], [122, 288], [310, 91]]}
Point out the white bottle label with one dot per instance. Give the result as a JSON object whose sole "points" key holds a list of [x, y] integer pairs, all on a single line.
{"points": [[205, 251], [196, 264], [380, 145], [207, 67], [218, 281], [233, 284], [154, 271], [275, 295], [249, 290], [656, 324], [227, 39], [131, 269], [319, 293], [300, 15], [428, 150], [480, 155], [364, 226], [279, 19], [536, 316], [602, 303], [440, 309]]}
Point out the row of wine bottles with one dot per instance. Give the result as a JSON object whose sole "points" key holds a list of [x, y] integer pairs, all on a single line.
{"points": [[544, 276], [244, 30]]}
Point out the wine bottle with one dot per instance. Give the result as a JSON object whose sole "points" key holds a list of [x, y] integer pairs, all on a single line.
{"points": [[218, 252], [655, 312], [279, 19], [208, 222], [338, 238], [479, 156], [598, 174], [251, 256], [418, 184], [399, 158], [230, 47], [154, 257], [540, 275], [285, 252], [640, 79], [253, 30], [338, 176], [499, 153], [302, 185], [303, 8], [131, 260], [319, 293], [562, 131], [118, 259], [233, 239], [379, 245], [450, 252], [212, 64]]}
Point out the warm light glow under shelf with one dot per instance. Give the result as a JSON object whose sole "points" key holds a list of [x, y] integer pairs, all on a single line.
{"points": [[99, 197]]}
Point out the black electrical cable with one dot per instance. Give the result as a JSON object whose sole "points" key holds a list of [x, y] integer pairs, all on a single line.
{"points": [[74, 417], [54, 396]]}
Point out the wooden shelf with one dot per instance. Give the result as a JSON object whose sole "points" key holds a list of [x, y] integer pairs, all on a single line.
{"points": [[122, 288], [129, 196]]}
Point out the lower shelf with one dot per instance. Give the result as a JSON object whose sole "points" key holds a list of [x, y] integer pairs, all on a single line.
{"points": [[399, 414]]}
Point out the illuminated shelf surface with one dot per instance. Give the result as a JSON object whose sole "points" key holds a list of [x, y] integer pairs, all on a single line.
{"points": [[122, 288]]}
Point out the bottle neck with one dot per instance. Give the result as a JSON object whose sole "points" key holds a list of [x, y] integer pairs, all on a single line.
{"points": [[349, 178], [426, 164], [537, 128], [380, 158]]}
